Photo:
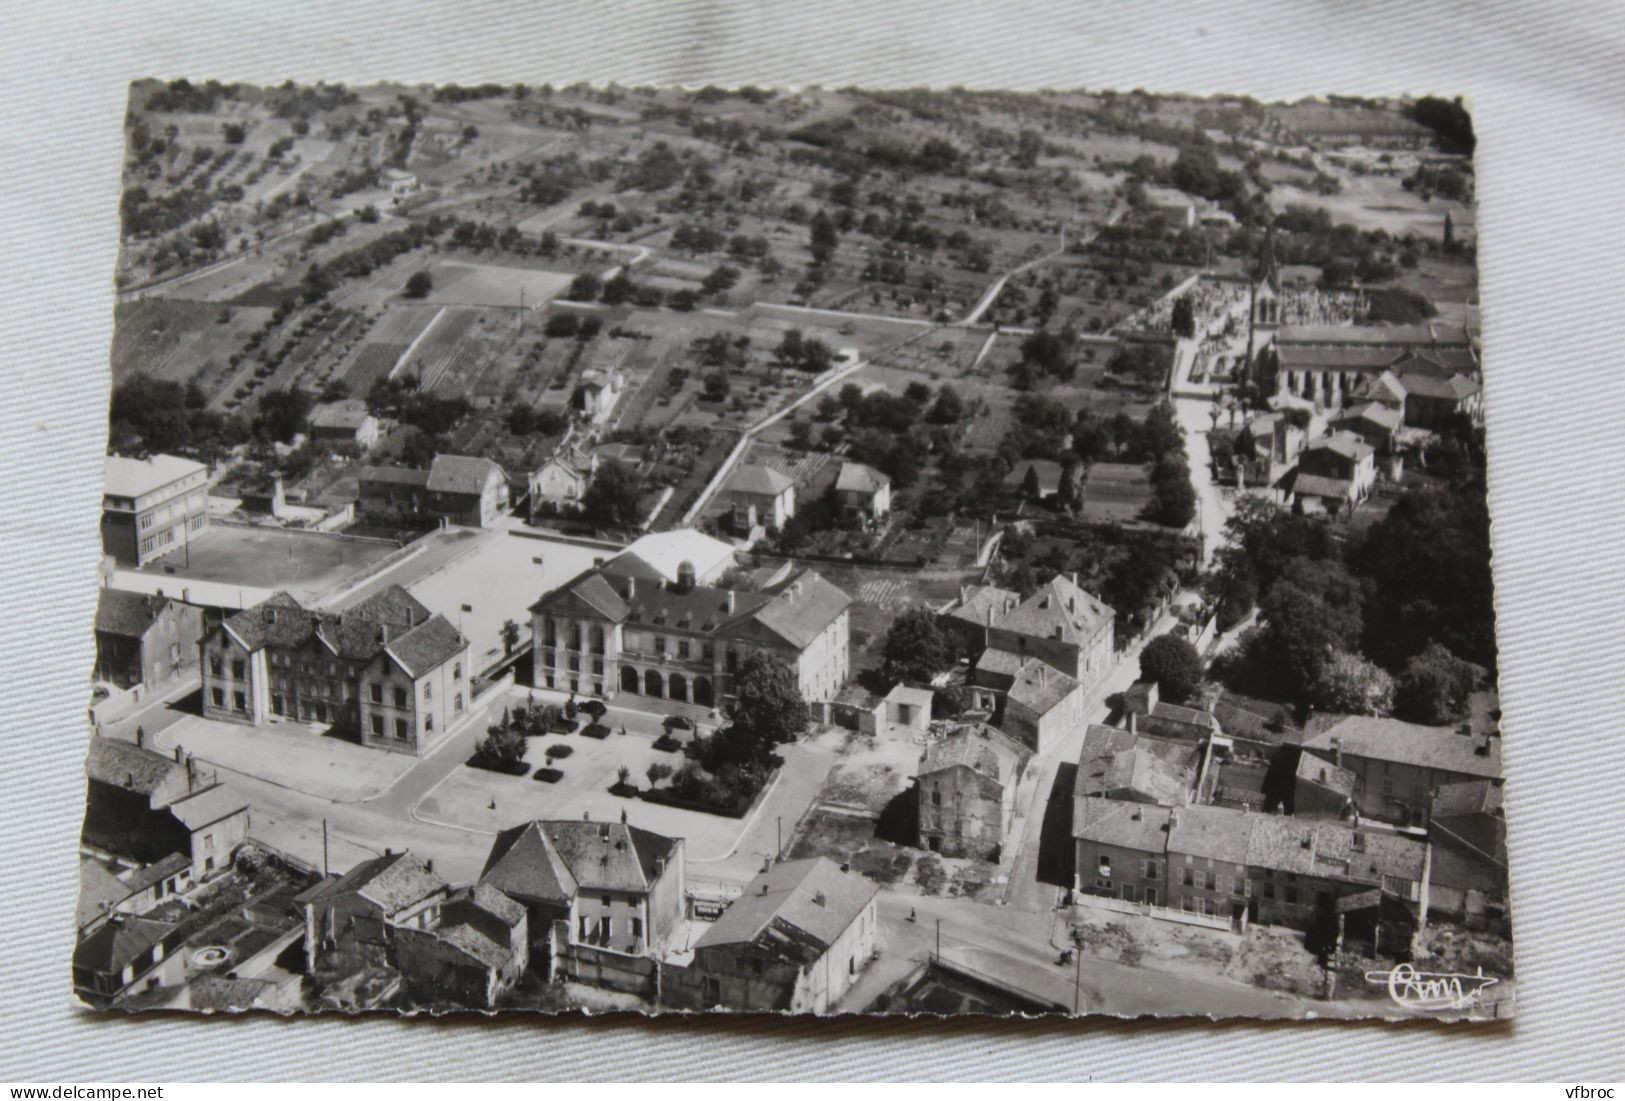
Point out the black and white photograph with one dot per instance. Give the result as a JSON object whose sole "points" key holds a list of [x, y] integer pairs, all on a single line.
{"points": [[603, 547]]}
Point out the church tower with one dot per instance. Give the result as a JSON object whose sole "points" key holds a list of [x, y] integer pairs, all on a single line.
{"points": [[1264, 303]]}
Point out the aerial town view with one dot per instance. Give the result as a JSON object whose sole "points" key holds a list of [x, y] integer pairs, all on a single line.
{"points": [[818, 550]]}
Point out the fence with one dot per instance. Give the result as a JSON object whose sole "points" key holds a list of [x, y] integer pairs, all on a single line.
{"points": [[1162, 913]]}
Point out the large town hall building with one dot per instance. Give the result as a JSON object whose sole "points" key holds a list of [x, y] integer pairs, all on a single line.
{"points": [[623, 629]]}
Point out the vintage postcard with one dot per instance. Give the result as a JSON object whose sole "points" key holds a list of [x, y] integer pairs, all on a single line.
{"points": [[804, 550]]}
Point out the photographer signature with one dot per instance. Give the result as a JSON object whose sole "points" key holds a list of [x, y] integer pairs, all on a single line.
{"points": [[1432, 990]]}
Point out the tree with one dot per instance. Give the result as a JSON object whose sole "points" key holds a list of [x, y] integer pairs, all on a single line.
{"points": [[234, 133], [948, 408], [1434, 687], [419, 284], [1183, 321], [769, 710], [1173, 498], [612, 500], [503, 747], [1349, 684], [917, 648], [584, 287], [1174, 664], [1312, 610], [510, 636], [282, 414]]}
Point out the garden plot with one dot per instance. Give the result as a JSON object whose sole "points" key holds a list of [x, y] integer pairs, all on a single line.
{"points": [[460, 283]]}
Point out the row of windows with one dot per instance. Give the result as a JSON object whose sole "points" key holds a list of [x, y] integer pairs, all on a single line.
{"points": [[601, 930], [239, 702]]}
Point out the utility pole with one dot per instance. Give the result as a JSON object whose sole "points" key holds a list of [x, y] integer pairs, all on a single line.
{"points": [[325, 872], [939, 939], [778, 835], [1077, 978]]}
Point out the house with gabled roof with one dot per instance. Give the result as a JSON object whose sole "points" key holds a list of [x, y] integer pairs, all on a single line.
{"points": [[348, 422], [1116, 763], [1468, 879], [966, 786], [794, 941], [862, 493], [592, 891], [364, 906], [145, 639], [562, 481], [762, 496], [126, 955], [623, 630], [386, 669], [1398, 765], [456, 489]]}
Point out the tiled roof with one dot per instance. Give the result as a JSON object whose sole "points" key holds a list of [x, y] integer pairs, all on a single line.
{"points": [[461, 474], [99, 891], [126, 765], [356, 633], [859, 478], [1317, 485], [981, 748], [1430, 333], [127, 614], [1114, 760], [1058, 610], [1040, 688], [124, 477], [393, 881], [393, 475], [1298, 357], [1385, 388], [1317, 770], [799, 608], [1346, 444], [1213, 833], [208, 806], [553, 860], [976, 600], [813, 897], [1454, 388], [1436, 747], [755, 478], [143, 878], [119, 942], [1139, 826], [495, 903], [1383, 416], [475, 944], [426, 646]]}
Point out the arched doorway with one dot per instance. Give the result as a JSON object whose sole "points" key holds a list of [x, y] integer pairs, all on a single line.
{"points": [[702, 691], [677, 687], [654, 685], [629, 679]]}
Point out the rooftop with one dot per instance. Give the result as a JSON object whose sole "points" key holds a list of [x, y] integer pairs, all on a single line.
{"points": [[351, 413], [208, 806], [1139, 826], [664, 551], [1058, 610], [757, 479], [125, 477], [811, 897], [983, 749], [859, 478], [553, 860], [126, 765], [1436, 747], [127, 614], [461, 474]]}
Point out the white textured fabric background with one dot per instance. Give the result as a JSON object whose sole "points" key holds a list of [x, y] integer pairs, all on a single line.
{"points": [[1547, 85]]}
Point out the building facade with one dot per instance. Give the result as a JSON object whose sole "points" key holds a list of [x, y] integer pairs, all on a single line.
{"points": [[966, 788], [151, 506], [1397, 766], [761, 496], [142, 639], [386, 669], [622, 631]]}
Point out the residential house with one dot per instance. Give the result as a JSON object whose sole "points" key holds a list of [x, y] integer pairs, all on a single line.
{"points": [[1468, 880], [1037, 706], [1321, 789], [362, 910], [476, 951], [1379, 426], [561, 482], [386, 668], [761, 497], [456, 489], [152, 506], [795, 941], [1334, 474], [348, 423], [1062, 625], [1146, 712], [1367, 883], [1121, 764], [142, 807], [599, 896], [905, 712], [620, 631], [1398, 765], [1178, 209], [970, 617], [108, 887], [125, 956], [597, 393], [862, 493], [143, 639], [1432, 401], [400, 183], [966, 790]]}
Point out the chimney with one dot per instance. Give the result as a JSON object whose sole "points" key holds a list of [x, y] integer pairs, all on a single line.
{"points": [[140, 738], [1337, 751], [1173, 819], [388, 851], [1074, 577], [428, 866], [191, 773], [1133, 722], [730, 601], [820, 899]]}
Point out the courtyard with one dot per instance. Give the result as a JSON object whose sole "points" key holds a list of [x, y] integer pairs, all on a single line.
{"points": [[307, 564]]}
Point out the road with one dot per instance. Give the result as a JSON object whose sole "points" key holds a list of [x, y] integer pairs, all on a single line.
{"points": [[1212, 510]]}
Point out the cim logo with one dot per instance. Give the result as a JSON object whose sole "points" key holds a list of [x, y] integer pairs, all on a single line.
{"points": [[1434, 991]]}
